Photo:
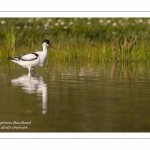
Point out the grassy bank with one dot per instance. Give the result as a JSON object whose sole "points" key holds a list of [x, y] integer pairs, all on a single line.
{"points": [[78, 39]]}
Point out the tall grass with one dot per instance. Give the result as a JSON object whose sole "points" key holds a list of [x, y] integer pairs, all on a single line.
{"points": [[78, 40]]}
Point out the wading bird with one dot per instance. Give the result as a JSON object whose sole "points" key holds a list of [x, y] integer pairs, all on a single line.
{"points": [[33, 60]]}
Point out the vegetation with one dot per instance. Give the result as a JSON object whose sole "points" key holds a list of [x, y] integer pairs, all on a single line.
{"points": [[78, 39]]}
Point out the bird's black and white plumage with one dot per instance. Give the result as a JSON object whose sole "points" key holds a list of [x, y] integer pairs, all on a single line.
{"points": [[33, 60]]}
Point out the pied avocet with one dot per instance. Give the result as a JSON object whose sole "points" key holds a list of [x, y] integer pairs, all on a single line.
{"points": [[33, 60]]}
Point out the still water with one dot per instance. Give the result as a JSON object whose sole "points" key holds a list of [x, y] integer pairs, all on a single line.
{"points": [[70, 98]]}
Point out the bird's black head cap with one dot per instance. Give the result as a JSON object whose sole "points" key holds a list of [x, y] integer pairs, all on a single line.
{"points": [[46, 41]]}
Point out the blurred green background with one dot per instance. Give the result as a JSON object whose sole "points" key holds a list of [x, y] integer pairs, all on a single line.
{"points": [[78, 39]]}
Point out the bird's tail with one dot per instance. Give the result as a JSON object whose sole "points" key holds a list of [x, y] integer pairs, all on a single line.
{"points": [[14, 58], [10, 58]]}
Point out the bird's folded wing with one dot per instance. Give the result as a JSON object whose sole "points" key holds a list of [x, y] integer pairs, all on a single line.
{"points": [[29, 57]]}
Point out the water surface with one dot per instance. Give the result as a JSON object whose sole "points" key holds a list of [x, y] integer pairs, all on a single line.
{"points": [[71, 98]]}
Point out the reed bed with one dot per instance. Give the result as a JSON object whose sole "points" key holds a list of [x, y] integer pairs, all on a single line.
{"points": [[78, 40]]}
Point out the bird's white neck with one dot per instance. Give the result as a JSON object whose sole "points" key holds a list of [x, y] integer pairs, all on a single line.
{"points": [[44, 47], [44, 54]]}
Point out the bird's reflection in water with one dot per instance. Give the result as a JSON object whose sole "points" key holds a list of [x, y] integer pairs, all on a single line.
{"points": [[33, 84]]}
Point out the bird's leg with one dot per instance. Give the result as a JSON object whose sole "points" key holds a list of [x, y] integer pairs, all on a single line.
{"points": [[29, 73], [32, 71]]}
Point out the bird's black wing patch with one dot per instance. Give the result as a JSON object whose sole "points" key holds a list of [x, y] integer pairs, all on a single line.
{"points": [[29, 57]]}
